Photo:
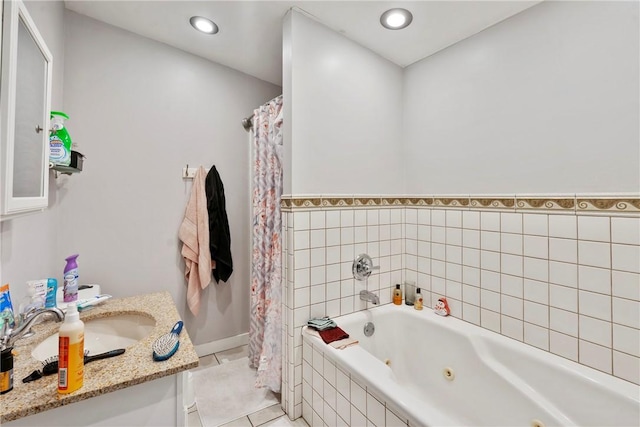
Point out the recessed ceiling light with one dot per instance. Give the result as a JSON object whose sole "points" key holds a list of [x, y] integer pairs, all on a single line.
{"points": [[203, 24], [396, 19]]}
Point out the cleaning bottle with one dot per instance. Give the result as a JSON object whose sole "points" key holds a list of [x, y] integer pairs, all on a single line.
{"points": [[70, 289], [59, 141], [71, 351], [397, 295], [418, 302]]}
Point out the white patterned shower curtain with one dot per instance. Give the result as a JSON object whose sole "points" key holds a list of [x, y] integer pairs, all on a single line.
{"points": [[265, 339]]}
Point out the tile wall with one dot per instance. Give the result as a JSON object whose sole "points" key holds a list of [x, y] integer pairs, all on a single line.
{"points": [[550, 275]]}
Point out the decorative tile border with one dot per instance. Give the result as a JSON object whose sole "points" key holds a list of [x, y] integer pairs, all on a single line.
{"points": [[605, 204]]}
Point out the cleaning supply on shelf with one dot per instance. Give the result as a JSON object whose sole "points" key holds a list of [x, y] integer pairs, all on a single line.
{"points": [[71, 351], [166, 346], [397, 295], [70, 289], [52, 290], [6, 370], [59, 140]]}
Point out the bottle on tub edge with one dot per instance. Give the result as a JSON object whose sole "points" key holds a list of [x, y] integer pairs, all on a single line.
{"points": [[418, 302], [397, 295]]}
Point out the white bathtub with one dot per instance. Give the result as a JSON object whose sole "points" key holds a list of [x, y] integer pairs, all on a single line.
{"points": [[497, 381]]}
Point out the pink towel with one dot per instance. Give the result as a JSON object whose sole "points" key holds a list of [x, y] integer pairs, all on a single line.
{"points": [[194, 234]]}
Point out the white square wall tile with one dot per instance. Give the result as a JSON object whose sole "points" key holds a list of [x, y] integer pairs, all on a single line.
{"points": [[564, 274], [535, 313], [565, 250], [536, 291], [375, 411], [438, 217], [490, 320], [596, 356], [537, 269], [563, 345], [301, 220], [536, 246], [490, 221], [563, 321], [594, 279], [317, 220], [424, 216], [454, 218], [595, 305], [359, 217], [358, 397], [471, 313], [626, 285], [511, 243], [565, 226], [392, 420], [626, 339], [511, 264], [595, 254], [490, 240], [471, 220], [512, 285], [471, 238], [536, 336], [627, 367], [511, 306], [625, 258], [595, 330], [511, 222], [626, 312], [625, 230], [594, 228], [513, 328], [563, 297], [535, 224], [332, 219], [373, 217], [346, 218]]}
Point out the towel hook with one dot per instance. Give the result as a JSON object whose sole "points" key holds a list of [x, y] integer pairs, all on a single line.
{"points": [[186, 171]]}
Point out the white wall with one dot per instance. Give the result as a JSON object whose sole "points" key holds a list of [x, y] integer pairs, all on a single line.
{"points": [[141, 111], [27, 244], [546, 101], [345, 113]]}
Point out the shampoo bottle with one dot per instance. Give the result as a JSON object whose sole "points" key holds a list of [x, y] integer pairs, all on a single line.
{"points": [[70, 290], [71, 351], [397, 295], [418, 302]]}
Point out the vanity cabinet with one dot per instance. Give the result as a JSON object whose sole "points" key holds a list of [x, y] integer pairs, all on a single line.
{"points": [[25, 105]]}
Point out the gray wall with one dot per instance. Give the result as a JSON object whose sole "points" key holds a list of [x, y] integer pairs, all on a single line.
{"points": [[343, 132], [546, 101], [141, 111], [28, 244]]}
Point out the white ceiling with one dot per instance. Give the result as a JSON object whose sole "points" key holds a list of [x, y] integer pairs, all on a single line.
{"points": [[250, 37]]}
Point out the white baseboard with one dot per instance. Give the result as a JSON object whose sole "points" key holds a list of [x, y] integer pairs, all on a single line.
{"points": [[222, 345]]}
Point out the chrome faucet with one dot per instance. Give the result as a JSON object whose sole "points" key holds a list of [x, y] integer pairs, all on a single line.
{"points": [[10, 335], [369, 296]]}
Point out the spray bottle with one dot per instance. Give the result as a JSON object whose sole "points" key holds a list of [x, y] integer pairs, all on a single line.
{"points": [[70, 290], [71, 351]]}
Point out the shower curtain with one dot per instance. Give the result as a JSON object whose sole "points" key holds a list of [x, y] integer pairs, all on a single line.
{"points": [[265, 335]]}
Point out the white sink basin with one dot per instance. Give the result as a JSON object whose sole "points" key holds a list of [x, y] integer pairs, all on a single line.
{"points": [[103, 334]]}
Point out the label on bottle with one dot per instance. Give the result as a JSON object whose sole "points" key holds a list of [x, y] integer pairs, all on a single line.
{"points": [[70, 290], [6, 381], [70, 364]]}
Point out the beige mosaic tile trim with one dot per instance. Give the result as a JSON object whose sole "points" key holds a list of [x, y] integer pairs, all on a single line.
{"points": [[609, 204]]}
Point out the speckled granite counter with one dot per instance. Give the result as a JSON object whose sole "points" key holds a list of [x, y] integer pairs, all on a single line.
{"points": [[135, 366]]}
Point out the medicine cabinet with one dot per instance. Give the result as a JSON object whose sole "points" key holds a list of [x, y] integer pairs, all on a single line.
{"points": [[25, 99]]}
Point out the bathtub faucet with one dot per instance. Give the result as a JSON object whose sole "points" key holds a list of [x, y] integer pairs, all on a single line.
{"points": [[369, 296]]}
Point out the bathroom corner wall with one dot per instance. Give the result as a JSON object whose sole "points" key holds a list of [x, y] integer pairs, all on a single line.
{"points": [[28, 243], [141, 111]]}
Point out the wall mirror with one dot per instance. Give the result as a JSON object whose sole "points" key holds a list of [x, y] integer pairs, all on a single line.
{"points": [[25, 103]]}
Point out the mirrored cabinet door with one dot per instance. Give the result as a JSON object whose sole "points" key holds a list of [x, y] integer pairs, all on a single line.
{"points": [[25, 98]]}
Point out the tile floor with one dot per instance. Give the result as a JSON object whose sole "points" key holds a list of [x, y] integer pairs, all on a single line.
{"points": [[272, 416]]}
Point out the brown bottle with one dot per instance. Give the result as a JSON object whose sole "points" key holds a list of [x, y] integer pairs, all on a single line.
{"points": [[418, 302], [397, 295]]}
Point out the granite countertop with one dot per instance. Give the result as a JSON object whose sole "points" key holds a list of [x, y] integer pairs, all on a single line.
{"points": [[135, 366]]}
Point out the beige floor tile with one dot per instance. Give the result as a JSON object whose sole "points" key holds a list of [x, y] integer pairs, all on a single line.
{"points": [[233, 354], [284, 421], [240, 422], [267, 414], [207, 362], [193, 419]]}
